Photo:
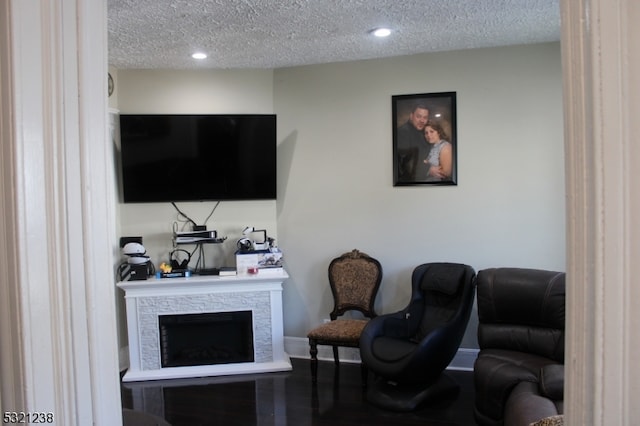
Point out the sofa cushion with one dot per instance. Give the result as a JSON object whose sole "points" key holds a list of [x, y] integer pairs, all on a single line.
{"points": [[531, 297], [542, 341], [522, 309]]}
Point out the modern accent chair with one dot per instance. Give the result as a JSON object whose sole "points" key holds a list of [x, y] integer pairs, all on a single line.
{"points": [[354, 278], [519, 371], [409, 350]]}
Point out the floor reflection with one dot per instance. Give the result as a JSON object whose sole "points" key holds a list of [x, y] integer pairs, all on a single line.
{"points": [[286, 398]]}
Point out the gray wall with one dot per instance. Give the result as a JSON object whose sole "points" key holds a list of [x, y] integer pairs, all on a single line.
{"points": [[336, 189], [335, 171]]}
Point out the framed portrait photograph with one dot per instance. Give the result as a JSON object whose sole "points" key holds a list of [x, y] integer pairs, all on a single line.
{"points": [[424, 139]]}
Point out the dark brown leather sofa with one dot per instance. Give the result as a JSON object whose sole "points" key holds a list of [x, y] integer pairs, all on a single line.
{"points": [[519, 372]]}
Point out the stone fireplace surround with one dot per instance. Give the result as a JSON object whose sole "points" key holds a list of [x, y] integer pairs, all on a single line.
{"points": [[146, 300]]}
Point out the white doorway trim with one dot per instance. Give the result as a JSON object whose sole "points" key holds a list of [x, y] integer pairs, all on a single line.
{"points": [[601, 74], [59, 347]]}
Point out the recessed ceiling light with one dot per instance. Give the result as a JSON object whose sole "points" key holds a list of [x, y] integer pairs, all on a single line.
{"points": [[199, 55], [381, 32]]}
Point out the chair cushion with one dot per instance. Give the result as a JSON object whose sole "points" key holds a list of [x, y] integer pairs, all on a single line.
{"points": [[340, 331], [389, 349]]}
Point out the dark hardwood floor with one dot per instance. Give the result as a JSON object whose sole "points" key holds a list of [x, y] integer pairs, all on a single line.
{"points": [[288, 398]]}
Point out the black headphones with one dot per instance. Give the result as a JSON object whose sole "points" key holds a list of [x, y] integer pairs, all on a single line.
{"points": [[179, 264], [244, 244]]}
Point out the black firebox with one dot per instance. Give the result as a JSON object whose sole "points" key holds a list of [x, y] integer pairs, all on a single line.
{"points": [[206, 338]]}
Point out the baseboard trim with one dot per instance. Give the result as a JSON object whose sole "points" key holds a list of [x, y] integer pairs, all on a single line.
{"points": [[298, 347]]}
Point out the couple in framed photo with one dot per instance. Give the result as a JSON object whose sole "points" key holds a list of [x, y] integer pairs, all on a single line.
{"points": [[424, 143]]}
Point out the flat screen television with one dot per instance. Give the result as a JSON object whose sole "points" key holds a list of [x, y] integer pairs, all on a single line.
{"points": [[167, 158]]}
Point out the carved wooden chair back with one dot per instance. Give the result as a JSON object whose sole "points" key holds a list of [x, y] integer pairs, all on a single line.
{"points": [[354, 278]]}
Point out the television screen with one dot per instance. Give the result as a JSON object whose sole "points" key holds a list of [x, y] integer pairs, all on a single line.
{"points": [[197, 157]]}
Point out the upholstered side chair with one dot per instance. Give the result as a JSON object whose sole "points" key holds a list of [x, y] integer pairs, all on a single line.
{"points": [[354, 278]]}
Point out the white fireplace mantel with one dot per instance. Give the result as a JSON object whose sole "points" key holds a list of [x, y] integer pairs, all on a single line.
{"points": [[146, 300]]}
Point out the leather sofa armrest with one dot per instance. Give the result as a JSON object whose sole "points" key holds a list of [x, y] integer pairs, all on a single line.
{"points": [[494, 380], [525, 405], [551, 382]]}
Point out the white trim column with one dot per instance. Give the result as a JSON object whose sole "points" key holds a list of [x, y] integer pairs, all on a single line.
{"points": [[601, 71], [60, 351], [11, 347]]}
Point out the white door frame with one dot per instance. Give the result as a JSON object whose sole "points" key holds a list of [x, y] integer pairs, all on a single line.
{"points": [[57, 298], [601, 75]]}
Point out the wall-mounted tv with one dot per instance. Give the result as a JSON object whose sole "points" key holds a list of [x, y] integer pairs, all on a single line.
{"points": [[167, 158]]}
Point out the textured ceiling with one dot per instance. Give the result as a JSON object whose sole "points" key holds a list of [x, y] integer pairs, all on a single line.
{"points": [[275, 34]]}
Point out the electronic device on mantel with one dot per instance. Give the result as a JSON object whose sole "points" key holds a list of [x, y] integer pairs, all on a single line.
{"points": [[169, 158], [253, 257], [137, 266], [246, 244]]}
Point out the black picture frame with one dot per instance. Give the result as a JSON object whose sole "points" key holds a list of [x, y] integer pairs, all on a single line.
{"points": [[411, 153]]}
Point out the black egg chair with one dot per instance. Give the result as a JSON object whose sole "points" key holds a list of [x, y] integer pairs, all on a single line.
{"points": [[409, 350]]}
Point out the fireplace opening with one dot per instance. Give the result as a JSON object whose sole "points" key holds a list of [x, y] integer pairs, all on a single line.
{"points": [[205, 339]]}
